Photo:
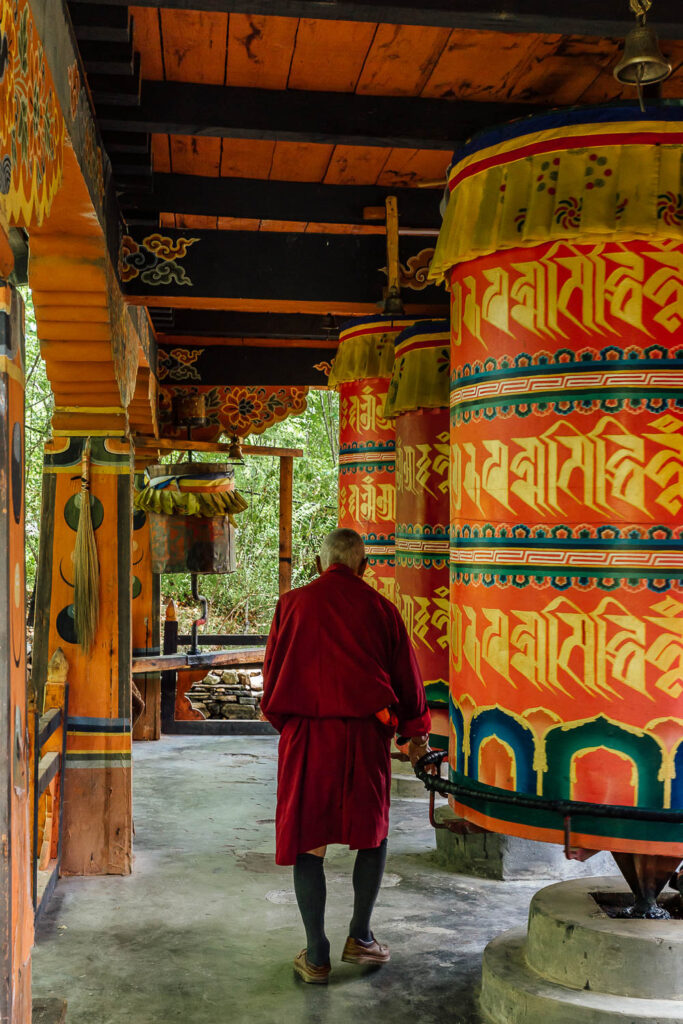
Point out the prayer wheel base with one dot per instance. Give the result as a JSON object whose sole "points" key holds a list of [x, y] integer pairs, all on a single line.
{"points": [[507, 858], [579, 965]]}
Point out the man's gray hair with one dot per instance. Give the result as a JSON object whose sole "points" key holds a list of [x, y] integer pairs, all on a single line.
{"points": [[342, 546]]}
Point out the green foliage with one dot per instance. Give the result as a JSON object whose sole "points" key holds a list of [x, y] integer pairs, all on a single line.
{"points": [[243, 602], [39, 406]]}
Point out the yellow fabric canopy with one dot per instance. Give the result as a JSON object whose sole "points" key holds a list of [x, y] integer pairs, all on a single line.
{"points": [[421, 369], [366, 348], [591, 182]]}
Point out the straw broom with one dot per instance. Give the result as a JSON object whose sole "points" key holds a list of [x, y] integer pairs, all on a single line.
{"points": [[86, 564]]}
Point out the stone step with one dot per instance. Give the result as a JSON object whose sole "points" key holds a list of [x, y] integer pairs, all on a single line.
{"points": [[407, 786], [513, 993], [573, 942]]}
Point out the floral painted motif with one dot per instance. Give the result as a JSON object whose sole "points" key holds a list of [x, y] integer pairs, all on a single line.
{"points": [[154, 260], [236, 411], [31, 124], [670, 208]]}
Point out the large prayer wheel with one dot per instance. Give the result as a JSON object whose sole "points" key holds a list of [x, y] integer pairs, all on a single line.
{"points": [[563, 247], [367, 493], [417, 400]]}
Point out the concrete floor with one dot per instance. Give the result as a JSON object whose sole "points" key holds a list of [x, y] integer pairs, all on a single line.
{"points": [[206, 927]]}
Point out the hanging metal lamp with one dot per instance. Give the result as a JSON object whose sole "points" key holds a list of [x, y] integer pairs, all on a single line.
{"points": [[642, 62]]}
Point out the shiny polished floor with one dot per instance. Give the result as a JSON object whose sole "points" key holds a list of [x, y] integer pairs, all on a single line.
{"points": [[206, 927]]}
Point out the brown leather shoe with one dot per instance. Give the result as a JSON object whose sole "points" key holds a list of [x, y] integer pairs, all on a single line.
{"points": [[308, 972], [356, 952]]}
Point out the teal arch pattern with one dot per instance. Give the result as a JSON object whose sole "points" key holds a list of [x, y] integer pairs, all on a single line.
{"points": [[458, 724], [496, 722], [563, 742]]}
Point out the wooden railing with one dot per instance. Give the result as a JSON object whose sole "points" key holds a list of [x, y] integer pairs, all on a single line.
{"points": [[48, 742]]}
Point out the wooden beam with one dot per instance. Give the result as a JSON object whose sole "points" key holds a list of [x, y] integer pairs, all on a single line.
{"points": [[236, 362], [212, 323], [185, 108], [285, 555], [338, 273], [168, 444], [582, 17], [275, 200], [213, 659]]}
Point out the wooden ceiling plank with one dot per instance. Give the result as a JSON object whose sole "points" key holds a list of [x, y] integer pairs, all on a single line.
{"points": [[246, 158], [478, 65], [401, 60], [191, 154], [194, 46], [329, 56], [563, 68], [406, 168], [606, 18], [353, 165], [260, 50], [300, 161], [147, 42], [238, 223], [161, 153], [193, 222]]}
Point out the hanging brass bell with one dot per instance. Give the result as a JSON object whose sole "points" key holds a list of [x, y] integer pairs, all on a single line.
{"points": [[642, 62]]}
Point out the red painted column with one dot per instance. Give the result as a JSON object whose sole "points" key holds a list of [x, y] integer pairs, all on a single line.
{"points": [[367, 441], [418, 404]]}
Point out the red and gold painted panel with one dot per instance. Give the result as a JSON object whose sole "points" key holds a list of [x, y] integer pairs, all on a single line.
{"points": [[418, 402], [367, 440], [15, 857], [367, 489], [422, 459], [31, 123], [236, 411], [567, 536], [97, 807]]}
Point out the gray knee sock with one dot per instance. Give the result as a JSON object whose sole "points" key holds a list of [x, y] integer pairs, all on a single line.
{"points": [[367, 877], [311, 894]]}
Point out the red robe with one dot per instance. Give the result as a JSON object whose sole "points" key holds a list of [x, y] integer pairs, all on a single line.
{"points": [[337, 653]]}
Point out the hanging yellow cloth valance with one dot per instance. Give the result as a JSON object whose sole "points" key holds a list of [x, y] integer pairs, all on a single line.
{"points": [[366, 348], [421, 369], [587, 182], [188, 496]]}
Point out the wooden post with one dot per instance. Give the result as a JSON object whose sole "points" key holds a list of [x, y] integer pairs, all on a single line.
{"points": [[169, 678], [146, 626], [286, 480], [97, 781], [16, 914]]}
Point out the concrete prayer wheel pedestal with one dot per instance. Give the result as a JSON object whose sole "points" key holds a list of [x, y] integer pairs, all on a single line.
{"points": [[508, 858], [578, 965]]}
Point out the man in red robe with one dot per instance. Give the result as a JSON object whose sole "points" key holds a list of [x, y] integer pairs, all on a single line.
{"points": [[340, 677]]}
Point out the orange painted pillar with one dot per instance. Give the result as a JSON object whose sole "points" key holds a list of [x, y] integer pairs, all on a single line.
{"points": [[146, 624], [417, 402], [367, 441], [97, 786], [563, 248], [16, 916]]}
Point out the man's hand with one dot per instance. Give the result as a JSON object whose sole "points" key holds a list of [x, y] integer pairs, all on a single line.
{"points": [[418, 747]]}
